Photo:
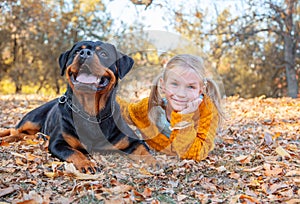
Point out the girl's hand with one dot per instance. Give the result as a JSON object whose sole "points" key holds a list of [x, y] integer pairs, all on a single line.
{"points": [[192, 106]]}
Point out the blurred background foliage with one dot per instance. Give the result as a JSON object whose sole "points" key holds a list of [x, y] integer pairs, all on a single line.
{"points": [[254, 51]]}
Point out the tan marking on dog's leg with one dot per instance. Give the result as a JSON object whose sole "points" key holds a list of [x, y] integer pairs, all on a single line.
{"points": [[30, 128], [72, 141], [26, 131], [122, 144]]}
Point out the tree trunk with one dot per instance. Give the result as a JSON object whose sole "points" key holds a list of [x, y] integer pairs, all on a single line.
{"points": [[291, 74], [18, 88], [290, 51]]}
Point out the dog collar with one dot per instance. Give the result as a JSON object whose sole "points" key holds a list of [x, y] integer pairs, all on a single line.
{"points": [[66, 100]]}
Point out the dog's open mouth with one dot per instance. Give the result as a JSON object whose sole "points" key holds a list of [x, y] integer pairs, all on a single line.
{"points": [[84, 79]]}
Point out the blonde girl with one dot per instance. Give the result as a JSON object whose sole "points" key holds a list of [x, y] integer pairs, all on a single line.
{"points": [[183, 112]]}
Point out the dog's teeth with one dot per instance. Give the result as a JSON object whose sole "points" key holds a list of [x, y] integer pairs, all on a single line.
{"points": [[98, 80]]}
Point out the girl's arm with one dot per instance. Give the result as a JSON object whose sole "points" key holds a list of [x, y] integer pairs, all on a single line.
{"points": [[195, 141], [133, 113]]}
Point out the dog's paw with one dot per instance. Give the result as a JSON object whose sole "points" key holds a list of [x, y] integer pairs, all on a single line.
{"points": [[83, 163], [87, 166]]}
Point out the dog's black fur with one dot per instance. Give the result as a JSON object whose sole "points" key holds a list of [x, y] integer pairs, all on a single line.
{"points": [[86, 118]]}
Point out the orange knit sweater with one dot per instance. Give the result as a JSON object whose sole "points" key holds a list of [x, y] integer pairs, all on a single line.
{"points": [[189, 142]]}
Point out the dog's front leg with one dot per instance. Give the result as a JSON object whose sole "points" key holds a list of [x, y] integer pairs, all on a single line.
{"points": [[68, 148]]}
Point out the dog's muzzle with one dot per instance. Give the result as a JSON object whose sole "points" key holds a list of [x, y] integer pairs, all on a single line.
{"points": [[90, 74]]}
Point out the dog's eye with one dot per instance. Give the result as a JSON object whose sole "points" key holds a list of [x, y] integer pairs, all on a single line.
{"points": [[103, 54]]}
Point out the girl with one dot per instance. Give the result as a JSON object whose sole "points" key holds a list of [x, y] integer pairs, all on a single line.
{"points": [[183, 112]]}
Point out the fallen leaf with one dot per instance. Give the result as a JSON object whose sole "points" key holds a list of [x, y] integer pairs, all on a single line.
{"points": [[6, 191], [251, 199], [293, 173], [139, 197], [51, 174], [18, 155], [293, 201], [234, 175], [71, 170], [257, 168], [237, 198], [31, 142], [147, 192], [145, 172], [268, 138], [282, 152], [221, 168], [31, 157], [4, 143], [275, 187], [272, 171], [244, 159], [181, 197]]}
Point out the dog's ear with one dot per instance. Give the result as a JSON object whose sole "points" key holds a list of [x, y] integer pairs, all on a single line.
{"points": [[124, 64], [63, 59]]}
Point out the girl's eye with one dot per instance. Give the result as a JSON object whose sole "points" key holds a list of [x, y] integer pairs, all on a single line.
{"points": [[191, 87], [174, 84]]}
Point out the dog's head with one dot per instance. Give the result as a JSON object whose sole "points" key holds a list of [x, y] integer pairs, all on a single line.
{"points": [[94, 66]]}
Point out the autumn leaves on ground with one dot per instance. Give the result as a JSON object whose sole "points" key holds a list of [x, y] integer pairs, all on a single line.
{"points": [[256, 160]]}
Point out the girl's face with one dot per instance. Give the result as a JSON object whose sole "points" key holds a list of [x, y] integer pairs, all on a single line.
{"points": [[181, 85]]}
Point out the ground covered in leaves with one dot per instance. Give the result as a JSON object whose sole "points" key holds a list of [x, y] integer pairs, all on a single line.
{"points": [[256, 160]]}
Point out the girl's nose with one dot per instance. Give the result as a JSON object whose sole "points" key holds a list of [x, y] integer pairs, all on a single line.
{"points": [[181, 92]]}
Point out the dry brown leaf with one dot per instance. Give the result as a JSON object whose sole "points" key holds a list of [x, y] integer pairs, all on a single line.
{"points": [[70, 170], [145, 172], [234, 175], [297, 181], [275, 187], [51, 174], [293, 201], [221, 168], [119, 189], [244, 159], [242, 197], [257, 168], [18, 155], [181, 197], [282, 152], [293, 173], [147, 192], [139, 197], [31, 142], [272, 171], [31, 201], [19, 161], [32, 157], [6, 191], [4, 143], [249, 198]]}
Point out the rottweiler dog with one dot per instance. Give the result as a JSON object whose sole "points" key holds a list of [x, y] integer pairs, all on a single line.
{"points": [[86, 118]]}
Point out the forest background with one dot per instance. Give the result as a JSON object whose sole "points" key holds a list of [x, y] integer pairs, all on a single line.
{"points": [[252, 45]]}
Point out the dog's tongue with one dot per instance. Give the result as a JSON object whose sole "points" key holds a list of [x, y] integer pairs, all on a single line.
{"points": [[86, 78]]}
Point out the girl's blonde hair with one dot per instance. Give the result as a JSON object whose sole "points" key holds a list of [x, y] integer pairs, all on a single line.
{"points": [[196, 63]]}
